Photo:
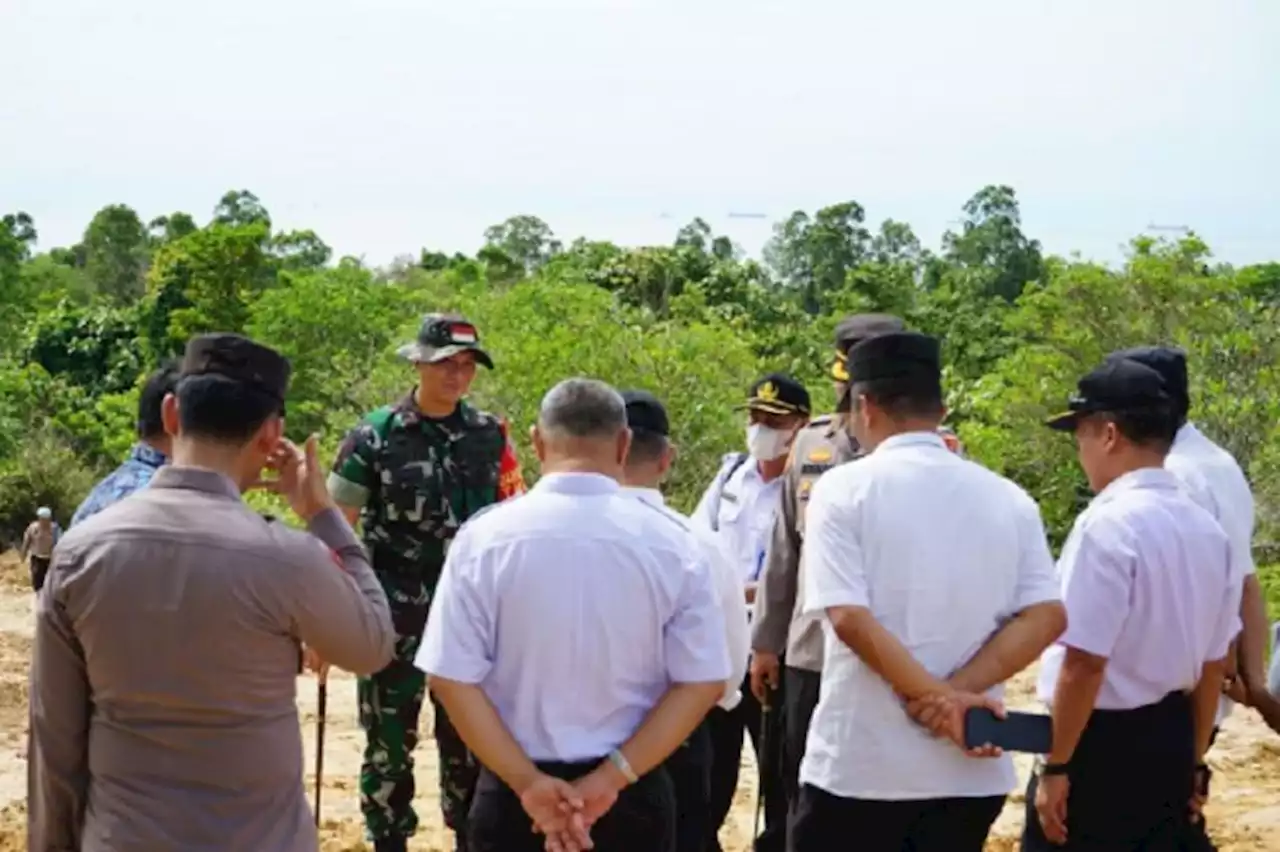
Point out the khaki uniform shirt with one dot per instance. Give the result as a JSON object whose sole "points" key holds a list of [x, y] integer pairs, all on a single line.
{"points": [[39, 542], [164, 671], [778, 626]]}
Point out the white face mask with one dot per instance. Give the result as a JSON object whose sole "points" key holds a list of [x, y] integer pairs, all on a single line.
{"points": [[767, 444]]}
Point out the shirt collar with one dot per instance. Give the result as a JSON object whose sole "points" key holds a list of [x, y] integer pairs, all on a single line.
{"points": [[410, 414], [911, 439], [195, 479], [1144, 478], [652, 496], [578, 484], [146, 454], [1187, 432]]}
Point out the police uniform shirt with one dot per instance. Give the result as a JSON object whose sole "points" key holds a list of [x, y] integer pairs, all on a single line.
{"points": [[748, 506], [1148, 583], [728, 593], [1216, 482], [780, 625], [941, 551], [575, 608], [164, 670]]}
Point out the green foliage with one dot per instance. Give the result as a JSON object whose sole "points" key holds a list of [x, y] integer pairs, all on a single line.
{"points": [[693, 321]]}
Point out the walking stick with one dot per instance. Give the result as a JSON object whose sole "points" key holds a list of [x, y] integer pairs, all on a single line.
{"points": [[761, 761], [322, 698]]}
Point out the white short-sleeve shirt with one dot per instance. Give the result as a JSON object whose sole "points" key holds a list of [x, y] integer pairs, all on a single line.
{"points": [[575, 607], [728, 592], [748, 506], [942, 552], [1148, 583], [1215, 481]]}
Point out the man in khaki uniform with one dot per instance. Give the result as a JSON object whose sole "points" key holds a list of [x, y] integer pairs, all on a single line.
{"points": [[779, 631], [169, 629]]}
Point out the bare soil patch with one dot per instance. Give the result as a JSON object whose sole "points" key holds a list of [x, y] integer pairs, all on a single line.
{"points": [[1244, 813]]}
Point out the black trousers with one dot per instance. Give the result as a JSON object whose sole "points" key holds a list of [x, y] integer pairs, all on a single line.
{"points": [[727, 728], [642, 820], [1132, 776], [690, 770], [39, 568], [822, 822], [800, 696]]}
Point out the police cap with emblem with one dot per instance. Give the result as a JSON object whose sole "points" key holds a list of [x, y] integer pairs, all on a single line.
{"points": [[1171, 364], [908, 357], [777, 393], [1120, 385], [442, 336], [645, 413], [853, 329], [239, 359]]}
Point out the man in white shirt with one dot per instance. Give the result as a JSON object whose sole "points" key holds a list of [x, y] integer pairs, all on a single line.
{"points": [[936, 585], [648, 462], [576, 640], [739, 509], [1215, 481], [1152, 605]]}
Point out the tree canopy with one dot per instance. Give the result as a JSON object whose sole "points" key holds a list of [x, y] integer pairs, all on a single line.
{"points": [[694, 320]]}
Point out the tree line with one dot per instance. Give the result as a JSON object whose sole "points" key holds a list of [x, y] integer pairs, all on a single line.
{"points": [[694, 320]]}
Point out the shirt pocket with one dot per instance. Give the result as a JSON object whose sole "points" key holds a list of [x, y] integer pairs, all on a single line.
{"points": [[413, 493]]}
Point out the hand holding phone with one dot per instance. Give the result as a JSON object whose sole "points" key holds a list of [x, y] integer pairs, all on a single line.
{"points": [[1024, 732]]}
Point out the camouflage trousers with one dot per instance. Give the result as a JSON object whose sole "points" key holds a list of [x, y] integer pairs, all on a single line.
{"points": [[390, 706]]}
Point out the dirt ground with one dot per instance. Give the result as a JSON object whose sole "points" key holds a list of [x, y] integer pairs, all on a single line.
{"points": [[1244, 813]]}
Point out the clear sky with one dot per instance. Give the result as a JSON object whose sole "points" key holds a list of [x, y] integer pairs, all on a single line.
{"points": [[389, 125]]}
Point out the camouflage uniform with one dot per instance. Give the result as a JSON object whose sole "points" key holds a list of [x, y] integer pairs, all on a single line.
{"points": [[417, 480]]}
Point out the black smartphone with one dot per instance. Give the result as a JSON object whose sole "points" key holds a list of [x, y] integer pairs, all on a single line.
{"points": [[1027, 732]]}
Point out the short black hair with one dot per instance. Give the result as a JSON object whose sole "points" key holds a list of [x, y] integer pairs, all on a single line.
{"points": [[159, 384], [222, 409], [646, 446], [1150, 428], [904, 397]]}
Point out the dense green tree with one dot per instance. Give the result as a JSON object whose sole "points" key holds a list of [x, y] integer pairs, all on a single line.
{"points": [[525, 240], [115, 253]]}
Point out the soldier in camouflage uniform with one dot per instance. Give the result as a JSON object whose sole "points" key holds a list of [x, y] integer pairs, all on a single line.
{"points": [[413, 472]]}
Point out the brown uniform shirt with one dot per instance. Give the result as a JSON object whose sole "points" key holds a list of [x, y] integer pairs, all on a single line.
{"points": [[778, 626], [164, 672]]}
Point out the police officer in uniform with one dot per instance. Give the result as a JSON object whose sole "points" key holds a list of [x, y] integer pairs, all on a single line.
{"points": [[739, 508], [165, 659], [779, 631], [1152, 603], [413, 472]]}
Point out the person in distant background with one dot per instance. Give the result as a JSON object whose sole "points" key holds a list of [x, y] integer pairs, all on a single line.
{"points": [[149, 454], [37, 544]]}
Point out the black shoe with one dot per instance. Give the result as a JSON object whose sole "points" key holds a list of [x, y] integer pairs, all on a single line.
{"points": [[390, 844]]}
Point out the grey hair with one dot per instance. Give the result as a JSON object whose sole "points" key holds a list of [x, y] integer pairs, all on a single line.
{"points": [[582, 408]]}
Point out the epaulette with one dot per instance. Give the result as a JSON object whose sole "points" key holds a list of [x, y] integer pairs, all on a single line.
{"points": [[820, 420], [669, 515]]}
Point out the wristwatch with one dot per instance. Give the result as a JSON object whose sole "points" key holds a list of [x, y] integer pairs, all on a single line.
{"points": [[1045, 769]]}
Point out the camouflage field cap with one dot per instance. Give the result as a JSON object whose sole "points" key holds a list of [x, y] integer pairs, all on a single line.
{"points": [[443, 336]]}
